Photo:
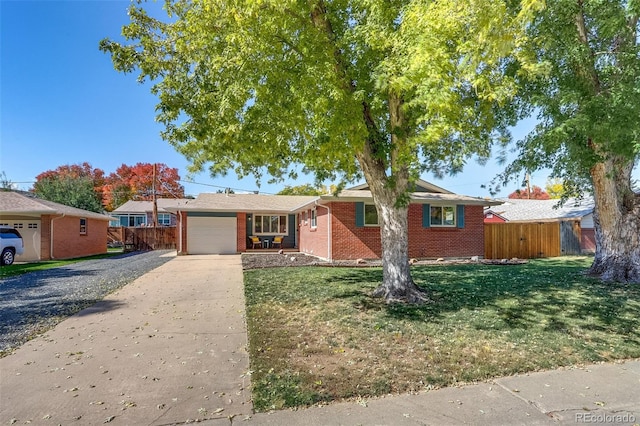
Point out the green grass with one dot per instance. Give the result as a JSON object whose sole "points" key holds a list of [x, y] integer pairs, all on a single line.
{"points": [[23, 268], [316, 335]]}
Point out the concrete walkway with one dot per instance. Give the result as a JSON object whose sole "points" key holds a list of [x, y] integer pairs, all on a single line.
{"points": [[606, 394], [168, 348]]}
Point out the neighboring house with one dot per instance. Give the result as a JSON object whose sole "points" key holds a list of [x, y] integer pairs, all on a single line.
{"points": [[523, 210], [441, 223], [140, 213], [52, 230]]}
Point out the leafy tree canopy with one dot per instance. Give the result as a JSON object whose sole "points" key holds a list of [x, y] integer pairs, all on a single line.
{"points": [[75, 185], [75, 192], [259, 86], [306, 189], [587, 95]]}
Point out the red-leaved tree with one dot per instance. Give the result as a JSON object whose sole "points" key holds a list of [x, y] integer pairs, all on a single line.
{"points": [[536, 194], [137, 183]]}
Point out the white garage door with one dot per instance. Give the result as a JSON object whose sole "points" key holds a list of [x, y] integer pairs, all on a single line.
{"points": [[30, 231], [211, 235]]}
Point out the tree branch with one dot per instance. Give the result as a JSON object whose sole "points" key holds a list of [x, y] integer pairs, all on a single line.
{"points": [[584, 39]]}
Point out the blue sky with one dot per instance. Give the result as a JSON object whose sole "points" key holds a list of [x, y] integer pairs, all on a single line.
{"points": [[61, 102]]}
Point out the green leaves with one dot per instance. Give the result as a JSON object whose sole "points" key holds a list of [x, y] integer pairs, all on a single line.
{"points": [[258, 86]]}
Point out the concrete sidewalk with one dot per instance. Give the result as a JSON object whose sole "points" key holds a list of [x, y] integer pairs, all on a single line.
{"points": [[168, 348], [597, 394]]}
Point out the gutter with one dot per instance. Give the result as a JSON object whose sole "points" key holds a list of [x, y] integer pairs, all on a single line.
{"points": [[51, 235], [329, 242]]}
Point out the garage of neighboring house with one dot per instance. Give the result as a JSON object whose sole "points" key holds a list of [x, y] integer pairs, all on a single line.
{"points": [[52, 230], [212, 233], [31, 235]]}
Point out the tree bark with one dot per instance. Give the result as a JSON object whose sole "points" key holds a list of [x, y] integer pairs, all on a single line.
{"points": [[397, 284], [616, 219]]}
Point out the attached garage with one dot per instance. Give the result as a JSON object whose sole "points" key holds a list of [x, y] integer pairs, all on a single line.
{"points": [[212, 233], [30, 231], [52, 230], [29, 228]]}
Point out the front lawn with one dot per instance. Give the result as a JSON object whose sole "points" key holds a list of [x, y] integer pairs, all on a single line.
{"points": [[316, 335]]}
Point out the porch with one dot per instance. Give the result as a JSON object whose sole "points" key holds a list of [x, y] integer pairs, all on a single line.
{"points": [[271, 250]]}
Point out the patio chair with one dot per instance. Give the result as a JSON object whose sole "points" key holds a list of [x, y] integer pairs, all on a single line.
{"points": [[255, 241], [277, 242]]}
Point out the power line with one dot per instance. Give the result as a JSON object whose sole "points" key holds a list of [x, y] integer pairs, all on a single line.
{"points": [[224, 187]]}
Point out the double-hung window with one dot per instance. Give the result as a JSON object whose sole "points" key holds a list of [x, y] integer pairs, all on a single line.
{"points": [[314, 218], [443, 216], [83, 226], [270, 224], [371, 215]]}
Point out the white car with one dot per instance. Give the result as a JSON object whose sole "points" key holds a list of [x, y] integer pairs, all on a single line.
{"points": [[11, 245]]}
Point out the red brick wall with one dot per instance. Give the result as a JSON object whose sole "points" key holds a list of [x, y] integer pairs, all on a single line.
{"points": [[67, 240], [182, 233], [447, 242], [314, 240], [351, 242], [241, 243], [45, 237]]}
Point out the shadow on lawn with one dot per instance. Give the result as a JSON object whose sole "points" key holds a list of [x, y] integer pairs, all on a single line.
{"points": [[517, 295]]}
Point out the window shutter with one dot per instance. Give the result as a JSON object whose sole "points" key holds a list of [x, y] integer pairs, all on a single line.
{"points": [[359, 214], [460, 215], [426, 215]]}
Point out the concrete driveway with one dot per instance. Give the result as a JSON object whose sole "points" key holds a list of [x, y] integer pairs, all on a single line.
{"points": [[168, 348]]}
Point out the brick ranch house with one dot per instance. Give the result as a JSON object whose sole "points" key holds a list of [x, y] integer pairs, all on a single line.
{"points": [[343, 227], [52, 230]]}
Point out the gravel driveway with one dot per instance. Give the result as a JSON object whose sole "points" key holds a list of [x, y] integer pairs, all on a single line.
{"points": [[34, 302]]}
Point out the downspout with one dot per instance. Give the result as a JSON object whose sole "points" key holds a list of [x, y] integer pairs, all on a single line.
{"points": [[179, 248], [51, 235], [329, 242]]}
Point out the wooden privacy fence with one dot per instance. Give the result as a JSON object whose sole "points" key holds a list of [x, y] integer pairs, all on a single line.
{"points": [[160, 238], [527, 240]]}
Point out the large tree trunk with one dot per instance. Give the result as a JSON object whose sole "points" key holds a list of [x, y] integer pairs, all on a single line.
{"points": [[617, 222], [397, 284]]}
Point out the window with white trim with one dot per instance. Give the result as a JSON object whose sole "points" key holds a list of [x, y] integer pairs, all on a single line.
{"points": [[164, 219], [18, 226], [270, 224], [83, 226], [314, 218], [371, 215], [443, 216], [33, 226]]}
